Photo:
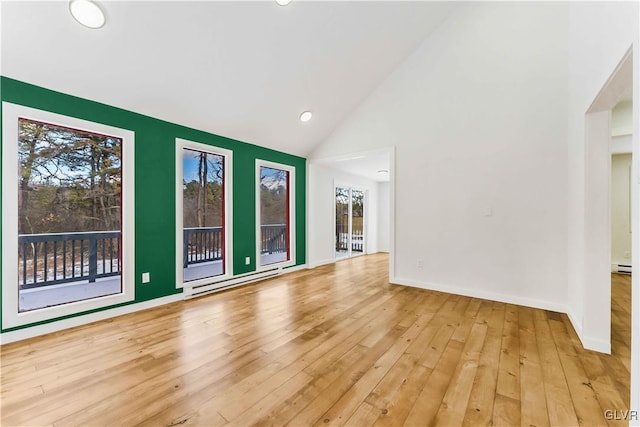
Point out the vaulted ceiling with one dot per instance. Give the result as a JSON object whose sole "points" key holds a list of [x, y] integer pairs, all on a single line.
{"points": [[245, 70]]}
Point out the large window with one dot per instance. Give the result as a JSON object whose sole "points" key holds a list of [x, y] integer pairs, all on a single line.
{"points": [[203, 214], [63, 224], [275, 213]]}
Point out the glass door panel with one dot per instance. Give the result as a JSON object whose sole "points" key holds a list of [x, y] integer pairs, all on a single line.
{"points": [[342, 222], [69, 215], [357, 221], [274, 216], [203, 214]]}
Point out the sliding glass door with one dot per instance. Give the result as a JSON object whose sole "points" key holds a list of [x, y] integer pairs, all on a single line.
{"points": [[350, 229]]}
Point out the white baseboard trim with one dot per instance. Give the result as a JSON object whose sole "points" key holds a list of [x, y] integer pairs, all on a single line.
{"points": [[321, 263], [59, 325], [596, 345], [588, 343], [294, 268], [509, 299], [577, 326]]}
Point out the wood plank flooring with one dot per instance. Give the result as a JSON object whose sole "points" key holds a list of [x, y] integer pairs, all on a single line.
{"points": [[337, 345]]}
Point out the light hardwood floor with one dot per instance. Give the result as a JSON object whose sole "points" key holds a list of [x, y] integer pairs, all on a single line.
{"points": [[337, 345]]}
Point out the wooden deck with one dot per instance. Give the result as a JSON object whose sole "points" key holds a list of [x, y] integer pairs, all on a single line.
{"points": [[46, 296], [336, 345]]}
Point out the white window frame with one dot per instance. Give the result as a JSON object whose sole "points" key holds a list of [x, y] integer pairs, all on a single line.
{"points": [[292, 218], [11, 317], [182, 144]]}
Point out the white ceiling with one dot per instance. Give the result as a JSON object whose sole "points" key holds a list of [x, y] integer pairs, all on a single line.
{"points": [[364, 165], [245, 70]]}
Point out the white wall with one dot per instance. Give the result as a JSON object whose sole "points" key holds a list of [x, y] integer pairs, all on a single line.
{"points": [[622, 119], [599, 35], [620, 209], [320, 236], [384, 224], [478, 118]]}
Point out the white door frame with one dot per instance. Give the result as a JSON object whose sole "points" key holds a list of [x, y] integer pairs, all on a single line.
{"points": [[181, 145], [391, 152], [596, 324]]}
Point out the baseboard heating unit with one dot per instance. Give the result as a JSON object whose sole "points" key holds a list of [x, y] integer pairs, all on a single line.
{"points": [[621, 268], [204, 289]]}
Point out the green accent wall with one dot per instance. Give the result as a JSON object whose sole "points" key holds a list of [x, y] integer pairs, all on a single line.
{"points": [[155, 242]]}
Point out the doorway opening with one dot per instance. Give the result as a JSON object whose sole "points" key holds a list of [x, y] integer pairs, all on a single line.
{"points": [[602, 313], [596, 327], [621, 227]]}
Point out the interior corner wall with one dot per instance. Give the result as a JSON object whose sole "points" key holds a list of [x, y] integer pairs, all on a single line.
{"points": [[155, 233], [322, 180], [600, 33], [478, 118]]}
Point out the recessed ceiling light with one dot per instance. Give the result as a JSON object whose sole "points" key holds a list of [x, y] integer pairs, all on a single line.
{"points": [[306, 116], [87, 13], [383, 171], [283, 2]]}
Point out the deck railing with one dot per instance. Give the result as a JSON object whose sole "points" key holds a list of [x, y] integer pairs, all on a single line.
{"points": [[273, 238], [206, 244], [342, 239], [55, 258], [202, 244]]}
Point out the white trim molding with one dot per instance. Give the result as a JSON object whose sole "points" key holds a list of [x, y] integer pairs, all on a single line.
{"points": [[321, 263], [11, 317], [59, 325], [492, 296], [181, 145], [291, 170], [587, 342]]}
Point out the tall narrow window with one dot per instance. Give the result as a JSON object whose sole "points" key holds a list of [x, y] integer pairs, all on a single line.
{"points": [[275, 213], [64, 216], [203, 214]]}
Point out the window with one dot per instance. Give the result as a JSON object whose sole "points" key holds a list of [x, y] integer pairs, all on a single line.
{"points": [[274, 200], [67, 236], [202, 213]]}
